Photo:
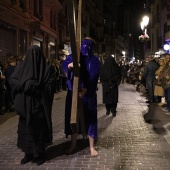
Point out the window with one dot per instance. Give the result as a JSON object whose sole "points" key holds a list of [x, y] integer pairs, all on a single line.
{"points": [[38, 4], [53, 17]]}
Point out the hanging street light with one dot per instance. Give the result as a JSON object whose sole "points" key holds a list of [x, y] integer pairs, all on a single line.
{"points": [[144, 23]]}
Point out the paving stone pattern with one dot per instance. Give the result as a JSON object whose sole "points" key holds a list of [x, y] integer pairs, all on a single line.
{"points": [[126, 142]]}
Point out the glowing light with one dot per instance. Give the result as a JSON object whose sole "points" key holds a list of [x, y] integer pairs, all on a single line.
{"points": [[123, 52], [166, 47], [145, 20]]}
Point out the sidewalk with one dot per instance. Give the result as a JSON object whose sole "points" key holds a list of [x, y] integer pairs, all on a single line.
{"points": [[137, 138]]}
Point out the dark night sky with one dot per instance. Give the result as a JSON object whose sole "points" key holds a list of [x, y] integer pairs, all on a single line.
{"points": [[136, 12]]}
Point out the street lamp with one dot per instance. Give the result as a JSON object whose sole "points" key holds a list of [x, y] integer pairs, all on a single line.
{"points": [[144, 23], [123, 52]]}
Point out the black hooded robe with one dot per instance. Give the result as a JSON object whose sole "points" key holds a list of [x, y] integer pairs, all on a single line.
{"points": [[33, 86], [110, 76]]}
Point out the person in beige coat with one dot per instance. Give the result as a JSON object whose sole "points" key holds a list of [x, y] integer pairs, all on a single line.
{"points": [[159, 91]]}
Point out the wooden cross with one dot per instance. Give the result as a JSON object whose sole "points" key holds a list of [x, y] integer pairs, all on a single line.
{"points": [[75, 38]]}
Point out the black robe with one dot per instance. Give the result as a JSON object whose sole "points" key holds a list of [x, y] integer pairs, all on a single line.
{"points": [[33, 86], [110, 76]]}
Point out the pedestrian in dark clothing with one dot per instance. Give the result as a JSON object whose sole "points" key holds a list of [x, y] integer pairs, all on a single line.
{"points": [[110, 76], [124, 69], [33, 86], [8, 96], [149, 76]]}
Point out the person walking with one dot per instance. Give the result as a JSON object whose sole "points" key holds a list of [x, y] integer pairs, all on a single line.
{"points": [[149, 76], [89, 73], [124, 69], [110, 76], [33, 87]]}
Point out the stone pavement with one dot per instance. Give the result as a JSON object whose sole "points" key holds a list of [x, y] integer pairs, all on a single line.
{"points": [[136, 139]]}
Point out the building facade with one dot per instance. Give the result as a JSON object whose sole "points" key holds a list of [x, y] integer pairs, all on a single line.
{"points": [[46, 23], [27, 22], [160, 25]]}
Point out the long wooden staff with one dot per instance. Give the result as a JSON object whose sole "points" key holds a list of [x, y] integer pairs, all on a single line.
{"points": [[75, 38], [80, 109]]}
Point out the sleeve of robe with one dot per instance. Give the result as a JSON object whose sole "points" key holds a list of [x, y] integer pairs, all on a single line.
{"points": [[68, 72], [17, 94], [47, 98]]}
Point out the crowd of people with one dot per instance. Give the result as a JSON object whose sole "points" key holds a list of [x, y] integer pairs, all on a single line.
{"points": [[28, 86], [156, 78], [6, 70], [152, 77]]}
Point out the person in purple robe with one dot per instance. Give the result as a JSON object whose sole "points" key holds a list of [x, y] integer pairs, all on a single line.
{"points": [[89, 74]]}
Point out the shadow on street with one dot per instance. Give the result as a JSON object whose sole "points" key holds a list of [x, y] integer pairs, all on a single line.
{"points": [[157, 118], [59, 149]]}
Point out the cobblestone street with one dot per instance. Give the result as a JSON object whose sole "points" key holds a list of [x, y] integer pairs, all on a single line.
{"points": [[126, 142]]}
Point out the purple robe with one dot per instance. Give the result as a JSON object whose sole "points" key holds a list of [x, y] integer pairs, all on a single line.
{"points": [[89, 73]]}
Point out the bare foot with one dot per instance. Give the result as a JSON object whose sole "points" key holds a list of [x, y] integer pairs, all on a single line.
{"points": [[70, 150], [93, 152]]}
